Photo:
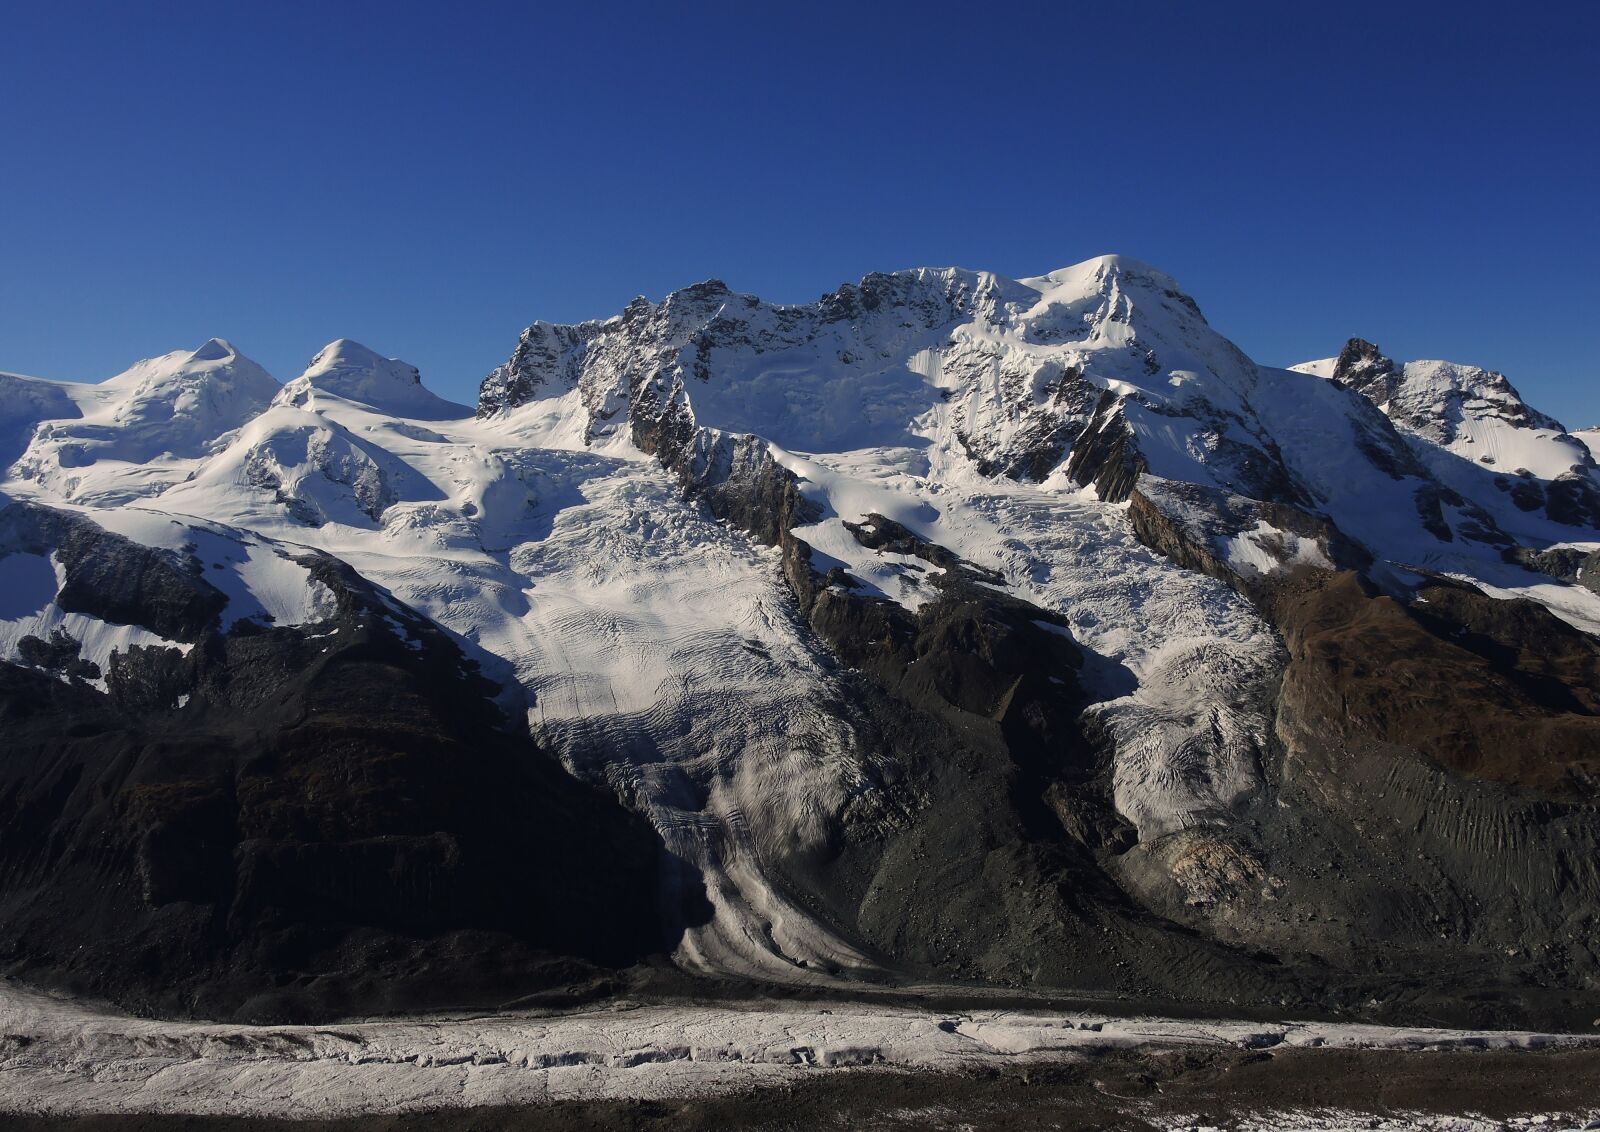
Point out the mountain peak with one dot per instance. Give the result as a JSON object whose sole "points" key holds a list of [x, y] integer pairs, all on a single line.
{"points": [[1094, 274], [346, 369], [216, 361], [344, 355], [1358, 352], [1121, 265], [810, 585], [214, 350], [1368, 370]]}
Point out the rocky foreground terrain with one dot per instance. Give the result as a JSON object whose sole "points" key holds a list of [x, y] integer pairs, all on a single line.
{"points": [[1021, 636]]}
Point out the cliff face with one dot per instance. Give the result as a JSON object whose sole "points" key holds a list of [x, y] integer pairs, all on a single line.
{"points": [[292, 821]]}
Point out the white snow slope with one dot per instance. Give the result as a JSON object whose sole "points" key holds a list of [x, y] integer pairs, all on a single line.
{"points": [[134, 434], [1472, 428], [656, 649]]}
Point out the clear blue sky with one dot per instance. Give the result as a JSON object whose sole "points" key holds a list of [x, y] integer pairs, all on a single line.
{"points": [[430, 178]]}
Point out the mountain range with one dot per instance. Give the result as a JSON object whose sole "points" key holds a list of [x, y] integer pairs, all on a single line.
{"points": [[952, 630]]}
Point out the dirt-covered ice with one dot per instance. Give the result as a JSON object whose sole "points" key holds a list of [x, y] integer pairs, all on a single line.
{"points": [[60, 1057]]}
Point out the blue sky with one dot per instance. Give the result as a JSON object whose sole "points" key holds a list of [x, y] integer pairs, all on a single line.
{"points": [[430, 178]]}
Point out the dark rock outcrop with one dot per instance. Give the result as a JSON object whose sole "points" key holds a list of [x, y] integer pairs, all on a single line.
{"points": [[1581, 567], [982, 852], [1106, 454], [1194, 527], [112, 577], [1495, 690], [1574, 499], [1432, 796], [1366, 369], [336, 819]]}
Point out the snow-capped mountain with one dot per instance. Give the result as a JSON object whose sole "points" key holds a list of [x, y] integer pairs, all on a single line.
{"points": [[949, 627], [348, 371], [134, 434], [1478, 433]]}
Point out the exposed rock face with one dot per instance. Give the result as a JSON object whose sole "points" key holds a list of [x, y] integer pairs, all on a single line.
{"points": [[1434, 399], [981, 854], [1573, 499], [1250, 544], [1478, 417], [1440, 725], [546, 354], [1581, 567], [1106, 453], [58, 655], [895, 341], [1367, 370], [1031, 797], [1438, 718], [112, 577], [1396, 675], [333, 819]]}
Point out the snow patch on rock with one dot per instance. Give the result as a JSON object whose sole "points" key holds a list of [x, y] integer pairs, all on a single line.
{"points": [[38, 633]]}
